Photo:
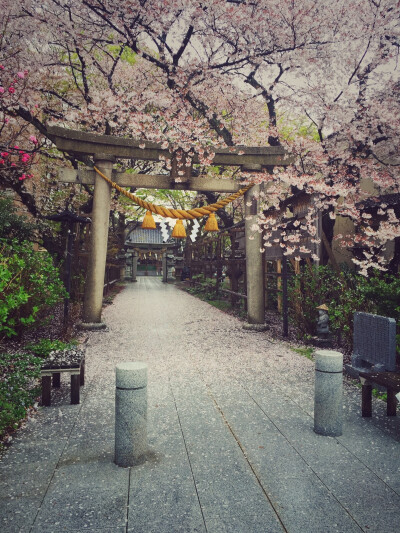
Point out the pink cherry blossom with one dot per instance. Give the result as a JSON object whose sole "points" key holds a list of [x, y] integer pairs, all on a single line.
{"points": [[319, 78]]}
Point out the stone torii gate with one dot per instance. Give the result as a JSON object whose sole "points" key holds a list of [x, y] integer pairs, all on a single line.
{"points": [[105, 149]]}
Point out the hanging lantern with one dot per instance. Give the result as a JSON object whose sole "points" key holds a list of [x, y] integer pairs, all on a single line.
{"points": [[148, 221], [211, 224], [179, 230]]}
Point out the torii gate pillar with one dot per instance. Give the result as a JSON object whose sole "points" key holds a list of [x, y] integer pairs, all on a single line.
{"points": [[93, 299], [254, 259]]}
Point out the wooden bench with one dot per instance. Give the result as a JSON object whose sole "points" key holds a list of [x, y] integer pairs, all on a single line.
{"points": [[389, 380], [60, 362], [374, 358]]}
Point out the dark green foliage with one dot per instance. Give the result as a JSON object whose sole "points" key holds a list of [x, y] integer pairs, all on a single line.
{"points": [[344, 294], [384, 292], [204, 288], [29, 285], [12, 226], [45, 346], [19, 387]]}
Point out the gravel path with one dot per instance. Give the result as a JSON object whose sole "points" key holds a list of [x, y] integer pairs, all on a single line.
{"points": [[231, 440]]}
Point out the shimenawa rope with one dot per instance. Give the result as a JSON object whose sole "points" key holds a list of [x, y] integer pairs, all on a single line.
{"points": [[190, 214]]}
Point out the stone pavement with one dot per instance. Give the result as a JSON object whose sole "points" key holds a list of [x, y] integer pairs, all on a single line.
{"points": [[231, 440]]}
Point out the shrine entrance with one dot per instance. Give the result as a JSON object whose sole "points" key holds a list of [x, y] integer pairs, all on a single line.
{"points": [[147, 252], [103, 150]]}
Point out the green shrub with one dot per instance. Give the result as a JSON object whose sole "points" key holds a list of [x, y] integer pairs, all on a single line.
{"points": [[29, 283], [19, 387], [384, 292], [45, 346], [344, 294], [13, 226]]}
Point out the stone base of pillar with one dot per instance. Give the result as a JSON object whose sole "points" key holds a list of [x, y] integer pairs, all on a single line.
{"points": [[92, 326], [255, 327]]}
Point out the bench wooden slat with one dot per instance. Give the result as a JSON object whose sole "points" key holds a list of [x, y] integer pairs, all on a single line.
{"points": [[51, 371]]}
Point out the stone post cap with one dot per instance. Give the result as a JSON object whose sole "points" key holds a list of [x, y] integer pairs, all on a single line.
{"points": [[328, 361], [131, 375]]}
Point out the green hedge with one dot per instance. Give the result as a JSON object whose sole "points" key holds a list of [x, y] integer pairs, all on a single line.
{"points": [[29, 285]]}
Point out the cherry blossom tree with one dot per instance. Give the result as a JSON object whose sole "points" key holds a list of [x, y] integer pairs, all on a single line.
{"points": [[191, 74]]}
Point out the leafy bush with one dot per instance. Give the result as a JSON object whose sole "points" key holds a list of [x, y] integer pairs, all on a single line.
{"points": [[45, 346], [19, 387], [13, 226], [29, 282], [384, 293], [344, 294], [204, 288]]}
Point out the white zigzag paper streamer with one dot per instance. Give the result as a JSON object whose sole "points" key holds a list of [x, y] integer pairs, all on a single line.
{"points": [[196, 226], [164, 231]]}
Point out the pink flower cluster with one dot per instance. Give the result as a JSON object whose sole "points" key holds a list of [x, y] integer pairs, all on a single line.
{"points": [[25, 176], [9, 159], [20, 76]]}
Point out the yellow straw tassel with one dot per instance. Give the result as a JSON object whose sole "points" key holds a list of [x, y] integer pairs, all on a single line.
{"points": [[148, 221], [211, 224], [179, 230]]}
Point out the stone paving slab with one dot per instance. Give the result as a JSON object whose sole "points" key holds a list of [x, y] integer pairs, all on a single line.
{"points": [[58, 528], [348, 470], [230, 495], [82, 509], [230, 431], [297, 491], [162, 494]]}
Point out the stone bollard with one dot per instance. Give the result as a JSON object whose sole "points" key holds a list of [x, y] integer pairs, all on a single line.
{"points": [[130, 413], [328, 399]]}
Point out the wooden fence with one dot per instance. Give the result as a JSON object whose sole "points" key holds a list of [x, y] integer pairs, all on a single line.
{"points": [[222, 257]]}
